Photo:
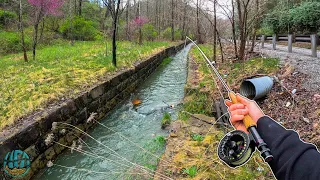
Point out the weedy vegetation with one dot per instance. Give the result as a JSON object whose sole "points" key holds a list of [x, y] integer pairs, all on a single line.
{"points": [[191, 172], [166, 120], [61, 71]]}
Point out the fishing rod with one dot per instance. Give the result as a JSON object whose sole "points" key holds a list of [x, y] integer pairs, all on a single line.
{"points": [[237, 147]]}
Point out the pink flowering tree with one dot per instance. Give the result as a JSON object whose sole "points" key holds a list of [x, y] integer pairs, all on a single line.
{"points": [[43, 8], [138, 23]]}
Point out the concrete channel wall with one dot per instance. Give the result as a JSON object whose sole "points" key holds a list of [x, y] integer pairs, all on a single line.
{"points": [[31, 133]]}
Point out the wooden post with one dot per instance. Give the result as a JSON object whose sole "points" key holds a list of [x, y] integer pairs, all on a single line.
{"points": [[262, 40], [274, 41], [314, 45], [290, 40]]}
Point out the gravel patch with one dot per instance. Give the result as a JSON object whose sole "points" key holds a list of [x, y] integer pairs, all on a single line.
{"points": [[301, 59]]}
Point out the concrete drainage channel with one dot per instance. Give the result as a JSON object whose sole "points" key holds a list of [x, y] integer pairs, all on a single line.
{"points": [[31, 136]]}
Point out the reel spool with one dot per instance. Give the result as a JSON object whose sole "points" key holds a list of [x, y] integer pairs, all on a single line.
{"points": [[236, 148]]}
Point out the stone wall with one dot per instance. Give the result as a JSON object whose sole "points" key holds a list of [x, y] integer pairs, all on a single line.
{"points": [[31, 133]]}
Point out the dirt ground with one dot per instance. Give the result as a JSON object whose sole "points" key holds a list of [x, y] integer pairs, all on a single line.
{"points": [[294, 106]]}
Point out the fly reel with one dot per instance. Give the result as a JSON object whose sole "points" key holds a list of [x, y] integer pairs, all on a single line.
{"points": [[236, 148]]}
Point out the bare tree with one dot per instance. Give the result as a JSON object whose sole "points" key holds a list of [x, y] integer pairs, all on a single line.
{"points": [[23, 45], [230, 14], [215, 31], [183, 32], [114, 9], [172, 20], [242, 7], [127, 21], [199, 36]]}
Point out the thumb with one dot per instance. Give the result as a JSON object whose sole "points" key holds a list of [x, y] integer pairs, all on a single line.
{"points": [[242, 100]]}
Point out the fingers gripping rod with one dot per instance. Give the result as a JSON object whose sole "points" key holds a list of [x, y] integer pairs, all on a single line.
{"points": [[251, 126], [247, 120]]}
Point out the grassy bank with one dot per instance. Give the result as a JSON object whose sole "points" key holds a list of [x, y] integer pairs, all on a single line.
{"points": [[193, 152], [60, 71]]}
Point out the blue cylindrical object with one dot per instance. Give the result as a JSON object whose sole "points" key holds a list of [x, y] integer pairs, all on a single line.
{"points": [[256, 88]]}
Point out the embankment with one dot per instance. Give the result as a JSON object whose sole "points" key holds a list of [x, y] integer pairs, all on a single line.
{"points": [[35, 135]]}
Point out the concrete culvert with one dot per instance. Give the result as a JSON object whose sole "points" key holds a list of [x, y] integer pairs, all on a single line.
{"points": [[256, 88]]}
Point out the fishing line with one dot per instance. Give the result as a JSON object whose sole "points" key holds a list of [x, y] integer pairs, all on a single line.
{"points": [[117, 154], [122, 136], [104, 158]]}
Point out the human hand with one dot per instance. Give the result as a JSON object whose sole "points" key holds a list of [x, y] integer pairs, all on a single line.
{"points": [[244, 107]]}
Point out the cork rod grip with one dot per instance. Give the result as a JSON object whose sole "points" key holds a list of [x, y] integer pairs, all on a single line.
{"points": [[248, 122]]}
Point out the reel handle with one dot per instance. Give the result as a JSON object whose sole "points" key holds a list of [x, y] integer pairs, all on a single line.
{"points": [[248, 121]]}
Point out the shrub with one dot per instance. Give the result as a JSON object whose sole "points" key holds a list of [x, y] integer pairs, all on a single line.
{"points": [[197, 137], [149, 32], [166, 34], [166, 120], [266, 30], [6, 17], [10, 42], [192, 171], [79, 29], [305, 17]]}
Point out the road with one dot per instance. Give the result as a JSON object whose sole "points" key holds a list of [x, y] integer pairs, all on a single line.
{"points": [[301, 59]]}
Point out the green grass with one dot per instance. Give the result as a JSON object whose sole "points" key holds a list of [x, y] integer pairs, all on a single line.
{"points": [[166, 61], [191, 172], [202, 166], [166, 120], [204, 70], [60, 71], [197, 137], [251, 67]]}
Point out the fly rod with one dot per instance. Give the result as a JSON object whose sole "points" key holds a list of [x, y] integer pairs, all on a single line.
{"points": [[236, 147]]}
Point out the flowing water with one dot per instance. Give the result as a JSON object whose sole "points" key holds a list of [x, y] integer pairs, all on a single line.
{"points": [[140, 124]]}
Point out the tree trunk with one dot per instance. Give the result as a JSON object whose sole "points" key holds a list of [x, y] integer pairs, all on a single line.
{"points": [[80, 7], [140, 26], [22, 33], [127, 21], [183, 34], [198, 24], [114, 33], [35, 40], [215, 32], [114, 43], [172, 20], [255, 28], [147, 8], [221, 48], [242, 31], [234, 31], [41, 32]]}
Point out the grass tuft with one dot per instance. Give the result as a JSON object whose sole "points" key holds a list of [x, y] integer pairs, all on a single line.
{"points": [[166, 120]]}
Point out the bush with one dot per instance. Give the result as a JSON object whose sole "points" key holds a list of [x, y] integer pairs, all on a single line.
{"points": [[192, 171], [166, 34], [10, 42], [149, 32], [6, 17], [166, 120], [79, 29], [265, 31], [305, 18], [277, 21], [197, 137], [302, 19]]}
